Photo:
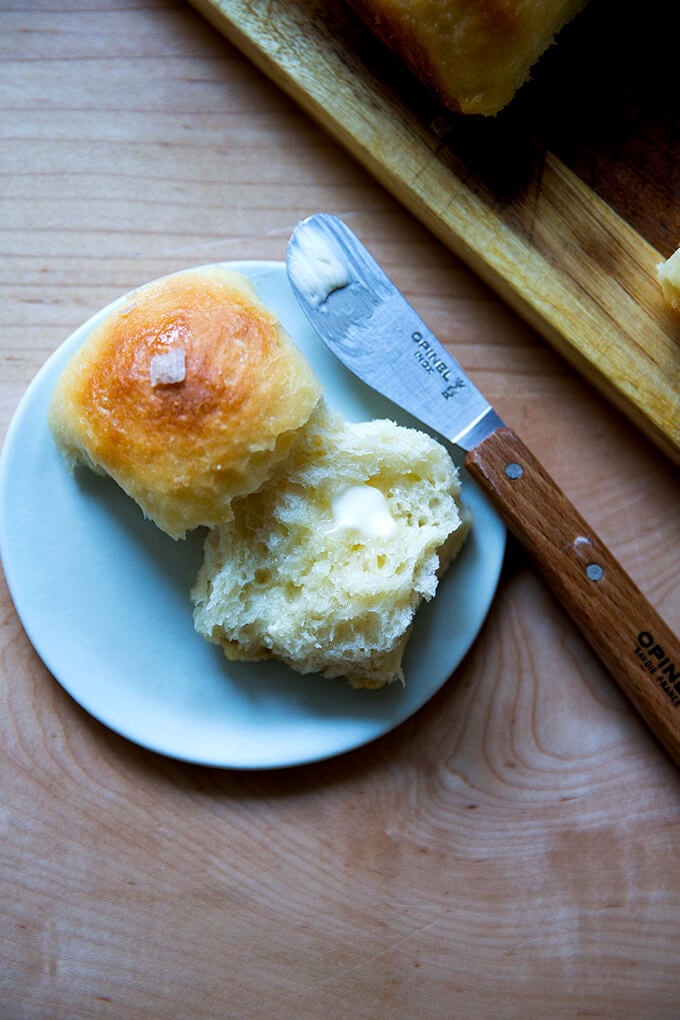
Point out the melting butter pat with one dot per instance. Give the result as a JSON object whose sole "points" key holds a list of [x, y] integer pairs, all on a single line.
{"points": [[363, 511], [168, 367]]}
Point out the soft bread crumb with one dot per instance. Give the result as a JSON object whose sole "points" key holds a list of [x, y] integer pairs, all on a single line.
{"points": [[668, 275], [281, 580]]}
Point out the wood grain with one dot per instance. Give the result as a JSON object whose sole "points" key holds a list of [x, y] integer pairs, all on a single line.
{"points": [[556, 252], [509, 851], [623, 629]]}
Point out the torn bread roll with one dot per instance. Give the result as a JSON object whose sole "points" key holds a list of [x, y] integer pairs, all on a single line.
{"points": [[187, 394], [326, 565], [668, 275], [474, 54]]}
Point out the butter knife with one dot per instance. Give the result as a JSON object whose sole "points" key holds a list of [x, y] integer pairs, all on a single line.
{"points": [[368, 324]]}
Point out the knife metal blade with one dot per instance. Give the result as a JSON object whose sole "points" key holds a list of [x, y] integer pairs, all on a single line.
{"points": [[368, 324], [362, 317]]}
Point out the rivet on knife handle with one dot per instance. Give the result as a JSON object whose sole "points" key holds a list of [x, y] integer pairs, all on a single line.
{"points": [[623, 629]]}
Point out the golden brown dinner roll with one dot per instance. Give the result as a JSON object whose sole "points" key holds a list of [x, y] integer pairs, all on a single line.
{"points": [[187, 395], [474, 54], [325, 566]]}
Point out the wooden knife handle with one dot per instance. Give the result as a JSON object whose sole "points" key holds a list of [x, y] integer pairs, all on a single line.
{"points": [[624, 630]]}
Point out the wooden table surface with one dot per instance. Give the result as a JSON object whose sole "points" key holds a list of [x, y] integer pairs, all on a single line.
{"points": [[507, 852]]}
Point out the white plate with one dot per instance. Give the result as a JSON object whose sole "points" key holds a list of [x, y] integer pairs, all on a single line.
{"points": [[104, 597]]}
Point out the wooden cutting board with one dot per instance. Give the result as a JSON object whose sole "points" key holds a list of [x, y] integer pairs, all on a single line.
{"points": [[564, 203]]}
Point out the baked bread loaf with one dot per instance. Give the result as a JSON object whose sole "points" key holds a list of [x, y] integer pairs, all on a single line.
{"points": [[188, 395], [475, 54], [668, 275], [325, 566]]}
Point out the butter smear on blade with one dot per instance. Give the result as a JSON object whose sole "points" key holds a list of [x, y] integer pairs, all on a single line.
{"points": [[319, 271], [363, 511]]}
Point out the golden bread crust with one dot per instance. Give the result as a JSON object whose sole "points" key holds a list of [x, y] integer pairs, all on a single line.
{"points": [[475, 54], [184, 449]]}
